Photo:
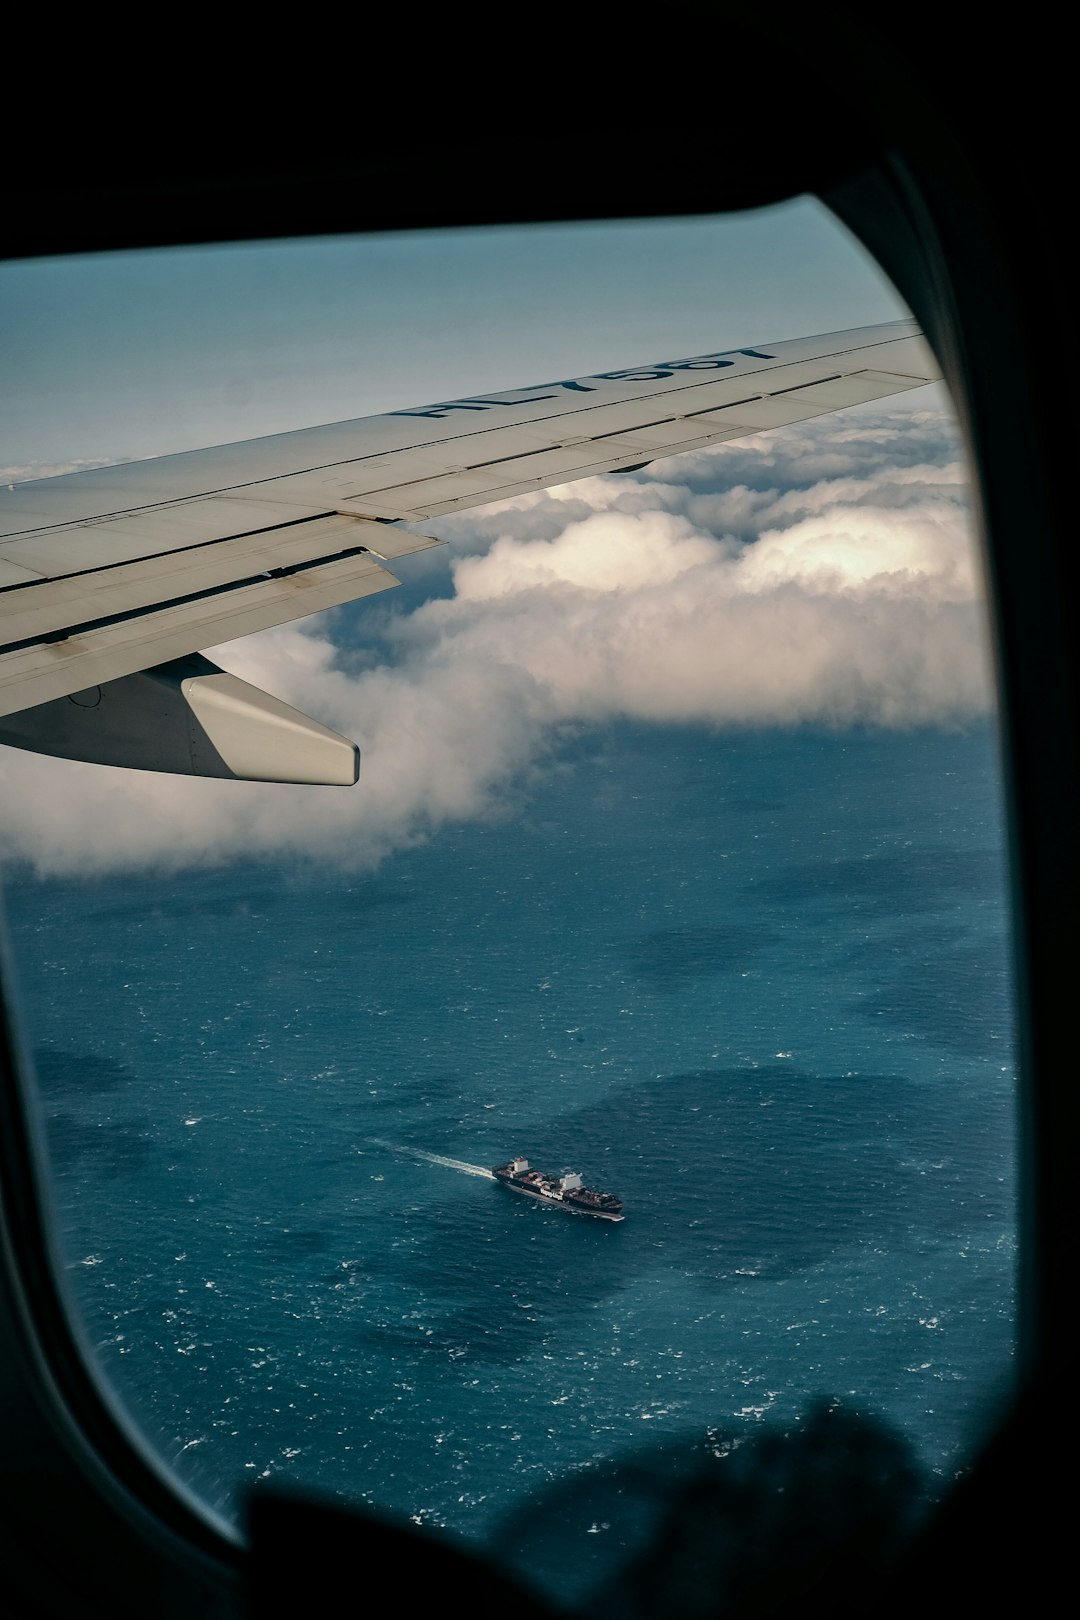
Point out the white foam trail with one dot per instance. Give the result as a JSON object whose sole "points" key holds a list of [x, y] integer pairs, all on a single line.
{"points": [[433, 1158]]}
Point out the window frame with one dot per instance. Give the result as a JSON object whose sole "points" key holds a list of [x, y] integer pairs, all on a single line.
{"points": [[955, 208]]}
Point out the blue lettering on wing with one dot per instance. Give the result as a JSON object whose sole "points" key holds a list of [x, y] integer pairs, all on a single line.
{"points": [[578, 385], [438, 413], [635, 374], [661, 370], [715, 362]]}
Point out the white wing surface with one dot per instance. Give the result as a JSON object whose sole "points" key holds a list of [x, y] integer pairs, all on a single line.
{"points": [[114, 571]]}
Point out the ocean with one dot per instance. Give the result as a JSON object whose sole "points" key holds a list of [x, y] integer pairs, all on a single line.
{"points": [[755, 982]]}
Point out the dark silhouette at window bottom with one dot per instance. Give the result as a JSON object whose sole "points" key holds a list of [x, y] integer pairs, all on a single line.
{"points": [[821, 1518]]}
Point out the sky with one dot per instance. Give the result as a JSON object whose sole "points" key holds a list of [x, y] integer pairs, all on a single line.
{"points": [[820, 574]]}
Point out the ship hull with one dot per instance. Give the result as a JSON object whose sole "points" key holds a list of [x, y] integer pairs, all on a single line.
{"points": [[539, 1196]]}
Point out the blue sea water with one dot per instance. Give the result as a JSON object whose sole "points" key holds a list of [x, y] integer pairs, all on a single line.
{"points": [[756, 983]]}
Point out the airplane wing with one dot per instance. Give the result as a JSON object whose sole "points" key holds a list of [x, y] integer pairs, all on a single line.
{"points": [[111, 580]]}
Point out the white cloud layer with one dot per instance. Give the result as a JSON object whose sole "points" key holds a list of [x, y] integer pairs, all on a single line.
{"points": [[826, 574]]}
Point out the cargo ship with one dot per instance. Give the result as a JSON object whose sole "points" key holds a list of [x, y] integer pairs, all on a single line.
{"points": [[567, 1192]]}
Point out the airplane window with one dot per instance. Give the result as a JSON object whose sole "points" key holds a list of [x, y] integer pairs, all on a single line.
{"points": [[676, 862]]}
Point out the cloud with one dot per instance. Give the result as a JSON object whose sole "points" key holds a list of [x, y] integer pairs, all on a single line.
{"points": [[822, 574]]}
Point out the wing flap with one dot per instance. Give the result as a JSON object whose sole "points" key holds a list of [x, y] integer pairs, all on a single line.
{"points": [[59, 604], [41, 670], [12, 574], [106, 543], [859, 388]]}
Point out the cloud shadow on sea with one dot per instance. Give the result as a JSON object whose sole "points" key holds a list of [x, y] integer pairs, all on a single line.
{"points": [[668, 958], [118, 1149], [957, 996], [61, 1073], [886, 885], [77, 1092]]}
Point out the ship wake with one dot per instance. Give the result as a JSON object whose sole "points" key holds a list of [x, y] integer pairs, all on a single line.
{"points": [[433, 1158]]}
